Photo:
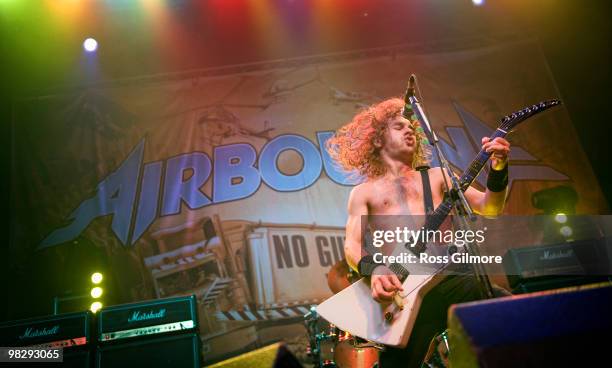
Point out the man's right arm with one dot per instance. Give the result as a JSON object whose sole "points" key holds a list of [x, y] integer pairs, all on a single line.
{"points": [[384, 284], [357, 207]]}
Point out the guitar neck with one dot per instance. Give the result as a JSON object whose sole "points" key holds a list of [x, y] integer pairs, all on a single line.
{"points": [[465, 180], [437, 217], [478, 163]]}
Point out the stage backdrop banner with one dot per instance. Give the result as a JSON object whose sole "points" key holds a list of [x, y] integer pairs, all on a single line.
{"points": [[218, 184]]}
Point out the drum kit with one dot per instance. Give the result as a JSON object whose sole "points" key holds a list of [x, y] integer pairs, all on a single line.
{"points": [[330, 347]]}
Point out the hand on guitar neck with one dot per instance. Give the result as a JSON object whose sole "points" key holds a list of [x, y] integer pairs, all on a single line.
{"points": [[499, 148]]}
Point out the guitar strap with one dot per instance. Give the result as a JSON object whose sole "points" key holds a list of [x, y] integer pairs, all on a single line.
{"points": [[427, 198]]}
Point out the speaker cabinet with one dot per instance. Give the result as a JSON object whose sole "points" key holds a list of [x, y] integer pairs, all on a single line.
{"points": [[77, 359], [159, 352]]}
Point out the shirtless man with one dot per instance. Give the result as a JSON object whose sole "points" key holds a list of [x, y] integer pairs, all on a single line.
{"points": [[385, 148]]}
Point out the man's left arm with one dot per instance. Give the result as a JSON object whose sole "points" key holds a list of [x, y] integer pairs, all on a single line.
{"points": [[491, 202]]}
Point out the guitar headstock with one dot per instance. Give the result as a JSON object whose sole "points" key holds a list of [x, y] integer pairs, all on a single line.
{"points": [[508, 122]]}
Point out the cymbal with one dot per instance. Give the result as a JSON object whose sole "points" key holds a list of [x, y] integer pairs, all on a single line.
{"points": [[340, 276]]}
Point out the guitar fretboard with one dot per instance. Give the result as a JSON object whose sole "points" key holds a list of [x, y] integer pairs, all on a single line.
{"points": [[470, 174]]}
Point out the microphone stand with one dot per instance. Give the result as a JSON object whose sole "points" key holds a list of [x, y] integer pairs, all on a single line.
{"points": [[463, 210]]}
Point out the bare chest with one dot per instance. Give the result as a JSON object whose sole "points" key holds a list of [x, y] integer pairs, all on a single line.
{"points": [[402, 196]]}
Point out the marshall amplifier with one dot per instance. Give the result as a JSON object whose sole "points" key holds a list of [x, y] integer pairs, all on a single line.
{"points": [[156, 333], [71, 331], [149, 318], [547, 267]]}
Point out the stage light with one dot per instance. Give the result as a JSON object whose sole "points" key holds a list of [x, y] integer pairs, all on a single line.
{"points": [[95, 306], [478, 2], [96, 277], [566, 231], [96, 292], [561, 218], [90, 45]]}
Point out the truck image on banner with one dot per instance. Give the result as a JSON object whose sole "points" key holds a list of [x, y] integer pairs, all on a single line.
{"points": [[246, 276], [289, 263]]}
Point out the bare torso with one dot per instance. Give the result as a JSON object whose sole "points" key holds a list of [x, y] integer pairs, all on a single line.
{"points": [[401, 195]]}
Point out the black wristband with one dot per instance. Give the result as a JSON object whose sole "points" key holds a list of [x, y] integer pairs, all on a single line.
{"points": [[497, 180], [366, 265]]}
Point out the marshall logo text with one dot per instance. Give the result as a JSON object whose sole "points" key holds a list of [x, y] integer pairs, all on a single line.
{"points": [[31, 332], [138, 316]]}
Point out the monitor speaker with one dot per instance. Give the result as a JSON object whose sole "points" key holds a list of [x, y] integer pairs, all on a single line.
{"points": [[275, 356], [563, 328]]}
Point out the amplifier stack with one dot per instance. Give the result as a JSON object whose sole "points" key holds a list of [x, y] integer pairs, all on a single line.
{"points": [[71, 331], [156, 333], [159, 333], [547, 267]]}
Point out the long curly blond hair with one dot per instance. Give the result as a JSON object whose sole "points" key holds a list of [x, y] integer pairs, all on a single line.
{"points": [[353, 148]]}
